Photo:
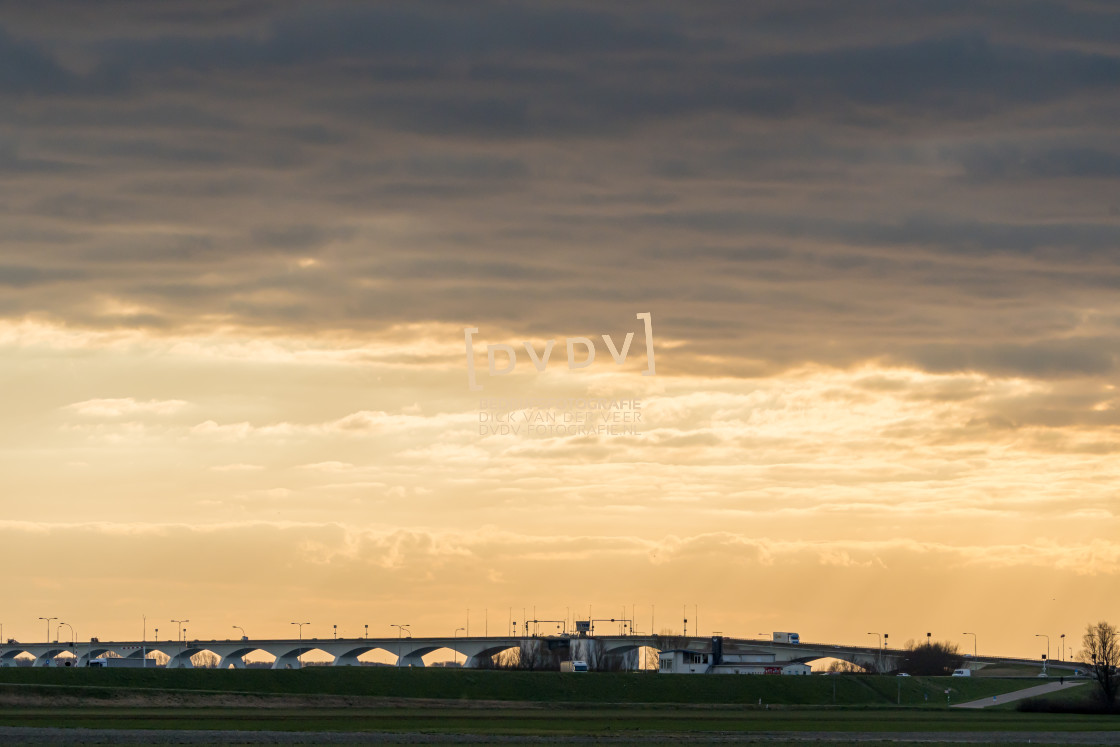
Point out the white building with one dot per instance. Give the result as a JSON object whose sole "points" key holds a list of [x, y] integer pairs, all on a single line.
{"points": [[685, 661]]}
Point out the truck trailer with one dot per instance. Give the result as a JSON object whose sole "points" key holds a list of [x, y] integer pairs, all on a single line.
{"points": [[574, 666]]}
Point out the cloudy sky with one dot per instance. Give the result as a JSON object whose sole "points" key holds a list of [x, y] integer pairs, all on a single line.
{"points": [[240, 242]]}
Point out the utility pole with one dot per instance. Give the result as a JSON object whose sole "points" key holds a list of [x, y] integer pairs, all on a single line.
{"points": [[48, 620]]}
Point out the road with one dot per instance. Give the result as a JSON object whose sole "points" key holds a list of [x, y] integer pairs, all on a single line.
{"points": [[1011, 697]]}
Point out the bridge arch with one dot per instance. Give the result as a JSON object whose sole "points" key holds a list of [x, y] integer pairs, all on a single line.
{"points": [[9, 655], [478, 654], [868, 661], [348, 657], [288, 657]]}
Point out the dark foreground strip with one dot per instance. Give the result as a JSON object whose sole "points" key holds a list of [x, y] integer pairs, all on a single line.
{"points": [[37, 735]]}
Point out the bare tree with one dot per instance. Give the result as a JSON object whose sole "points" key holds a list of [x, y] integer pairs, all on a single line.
{"points": [[931, 659], [508, 659], [668, 641], [533, 655], [205, 660], [839, 666], [1101, 655]]}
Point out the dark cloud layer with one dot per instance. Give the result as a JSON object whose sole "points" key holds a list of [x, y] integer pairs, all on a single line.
{"points": [[779, 183]]}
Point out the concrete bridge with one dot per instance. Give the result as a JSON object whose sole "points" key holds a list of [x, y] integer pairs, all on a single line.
{"points": [[409, 652]]}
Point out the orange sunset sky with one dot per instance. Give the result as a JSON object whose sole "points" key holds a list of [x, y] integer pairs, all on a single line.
{"points": [[240, 243]]}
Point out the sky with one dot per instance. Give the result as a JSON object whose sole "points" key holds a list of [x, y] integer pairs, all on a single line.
{"points": [[240, 242]]}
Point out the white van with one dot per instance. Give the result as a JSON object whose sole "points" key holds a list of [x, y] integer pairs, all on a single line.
{"points": [[962, 672]]}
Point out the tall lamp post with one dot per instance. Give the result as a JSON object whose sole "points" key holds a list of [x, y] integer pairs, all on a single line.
{"points": [[880, 665], [299, 656], [456, 635], [48, 621], [179, 634], [238, 627], [1062, 656], [1045, 661], [400, 632], [973, 643]]}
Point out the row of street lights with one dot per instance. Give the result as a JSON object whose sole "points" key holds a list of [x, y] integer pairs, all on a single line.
{"points": [[402, 629], [1062, 656], [182, 631]]}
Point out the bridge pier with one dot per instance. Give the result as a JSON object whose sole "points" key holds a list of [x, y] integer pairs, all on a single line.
{"points": [[346, 660], [289, 660], [236, 662], [410, 660], [180, 661]]}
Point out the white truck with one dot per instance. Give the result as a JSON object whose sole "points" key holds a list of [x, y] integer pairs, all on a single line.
{"points": [[573, 666], [787, 638]]}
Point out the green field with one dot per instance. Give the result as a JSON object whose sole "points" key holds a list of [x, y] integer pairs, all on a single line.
{"points": [[562, 720], [552, 687], [645, 707]]}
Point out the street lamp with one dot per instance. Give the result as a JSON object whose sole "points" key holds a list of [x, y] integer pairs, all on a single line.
{"points": [[1047, 659], [400, 631], [179, 634], [73, 640], [929, 642], [456, 635], [973, 643], [243, 636], [299, 656], [880, 663], [48, 620], [367, 630], [336, 632], [1062, 656]]}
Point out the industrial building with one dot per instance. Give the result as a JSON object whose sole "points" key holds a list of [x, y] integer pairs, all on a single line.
{"points": [[719, 656]]}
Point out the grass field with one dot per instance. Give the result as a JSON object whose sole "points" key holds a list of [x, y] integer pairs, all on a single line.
{"points": [[645, 707], [554, 721], [536, 686]]}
